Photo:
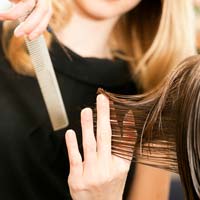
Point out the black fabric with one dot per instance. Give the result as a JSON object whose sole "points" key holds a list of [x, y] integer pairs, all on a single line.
{"points": [[33, 158]]}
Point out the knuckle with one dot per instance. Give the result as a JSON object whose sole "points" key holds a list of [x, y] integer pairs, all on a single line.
{"points": [[30, 5], [125, 168], [74, 163], [89, 148], [120, 175], [75, 186], [92, 184], [28, 28], [97, 183], [106, 178], [70, 180], [101, 138], [122, 172]]}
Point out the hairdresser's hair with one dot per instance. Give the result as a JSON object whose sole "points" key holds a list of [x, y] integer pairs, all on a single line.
{"points": [[161, 128], [153, 37]]}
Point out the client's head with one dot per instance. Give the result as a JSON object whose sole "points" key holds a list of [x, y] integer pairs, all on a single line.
{"points": [[162, 127]]}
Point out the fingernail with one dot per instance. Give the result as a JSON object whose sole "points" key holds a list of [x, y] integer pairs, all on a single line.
{"points": [[87, 110], [70, 131], [101, 98], [19, 33], [68, 134], [86, 113]]}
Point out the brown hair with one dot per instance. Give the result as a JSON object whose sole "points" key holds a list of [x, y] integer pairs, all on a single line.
{"points": [[153, 38], [161, 128]]}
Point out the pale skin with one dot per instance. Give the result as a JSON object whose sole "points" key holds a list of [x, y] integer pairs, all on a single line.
{"points": [[101, 175], [35, 23]]}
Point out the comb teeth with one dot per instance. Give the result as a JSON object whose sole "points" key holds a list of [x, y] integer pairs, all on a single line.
{"points": [[47, 81], [45, 75]]}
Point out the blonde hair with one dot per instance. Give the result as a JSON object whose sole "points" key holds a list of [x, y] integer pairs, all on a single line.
{"points": [[153, 37]]}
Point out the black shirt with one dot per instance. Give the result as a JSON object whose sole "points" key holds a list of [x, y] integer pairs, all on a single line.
{"points": [[33, 158]]}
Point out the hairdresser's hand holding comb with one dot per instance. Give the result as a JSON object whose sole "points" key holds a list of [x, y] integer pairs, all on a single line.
{"points": [[39, 11], [101, 176]]}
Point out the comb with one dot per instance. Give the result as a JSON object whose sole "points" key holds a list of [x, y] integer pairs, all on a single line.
{"points": [[45, 75], [47, 81]]}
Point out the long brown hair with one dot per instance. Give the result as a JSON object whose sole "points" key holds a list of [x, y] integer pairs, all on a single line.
{"points": [[161, 128], [153, 34]]}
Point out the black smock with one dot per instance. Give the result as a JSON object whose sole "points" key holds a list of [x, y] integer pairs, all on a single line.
{"points": [[33, 159]]}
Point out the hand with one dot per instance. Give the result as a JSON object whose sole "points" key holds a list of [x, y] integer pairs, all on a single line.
{"points": [[36, 22], [102, 175]]}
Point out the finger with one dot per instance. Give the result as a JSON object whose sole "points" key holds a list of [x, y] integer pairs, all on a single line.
{"points": [[15, 1], [33, 32], [103, 127], [89, 142], [18, 10], [75, 160], [121, 163], [36, 22]]}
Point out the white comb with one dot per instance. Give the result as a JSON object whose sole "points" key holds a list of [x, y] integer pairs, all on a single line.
{"points": [[46, 77]]}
